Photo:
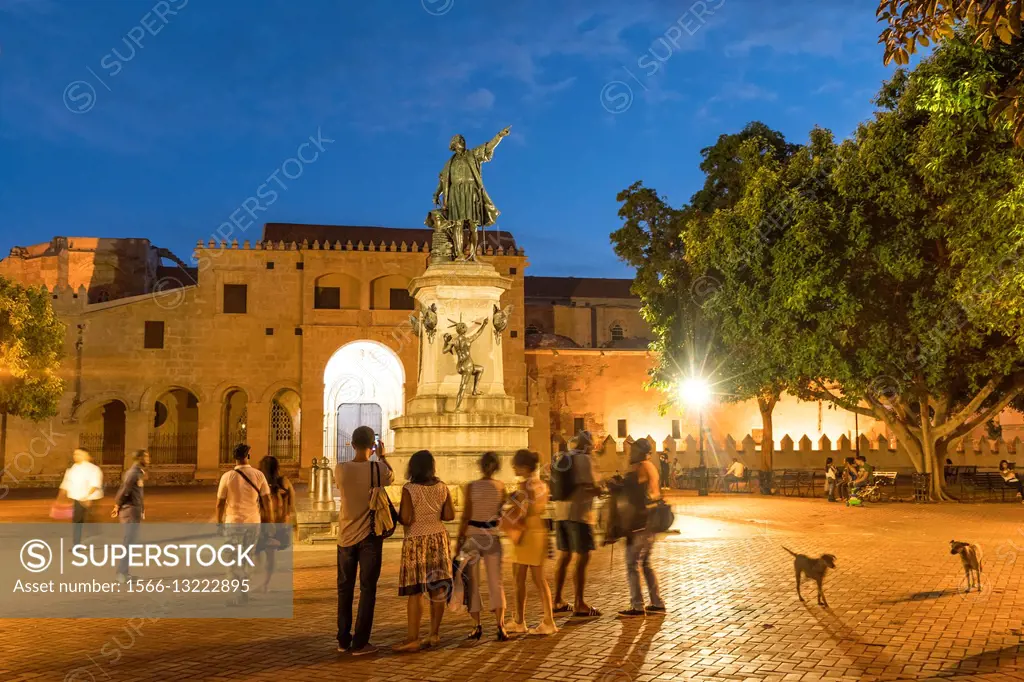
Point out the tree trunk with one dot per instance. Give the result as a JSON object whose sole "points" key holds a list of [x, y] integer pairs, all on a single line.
{"points": [[766, 405]]}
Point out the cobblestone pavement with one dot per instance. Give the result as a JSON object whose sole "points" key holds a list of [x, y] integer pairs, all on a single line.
{"points": [[895, 611]]}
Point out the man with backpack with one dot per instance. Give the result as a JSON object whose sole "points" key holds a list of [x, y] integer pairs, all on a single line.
{"points": [[574, 485], [243, 503]]}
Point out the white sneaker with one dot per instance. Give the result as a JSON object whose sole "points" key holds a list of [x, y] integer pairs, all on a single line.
{"points": [[543, 629], [515, 628]]}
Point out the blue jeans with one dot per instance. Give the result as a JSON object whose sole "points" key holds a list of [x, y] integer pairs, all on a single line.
{"points": [[638, 557]]}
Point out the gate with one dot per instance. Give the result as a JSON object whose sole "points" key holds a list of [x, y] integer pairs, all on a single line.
{"points": [[351, 416]]}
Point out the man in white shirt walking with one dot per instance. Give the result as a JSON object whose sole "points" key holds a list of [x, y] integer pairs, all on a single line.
{"points": [[83, 485], [243, 502]]}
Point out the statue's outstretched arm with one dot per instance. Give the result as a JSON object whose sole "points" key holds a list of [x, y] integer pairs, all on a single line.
{"points": [[478, 332], [485, 151]]}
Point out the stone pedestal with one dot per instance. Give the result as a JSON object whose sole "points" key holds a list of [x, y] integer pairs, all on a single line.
{"points": [[466, 292]]}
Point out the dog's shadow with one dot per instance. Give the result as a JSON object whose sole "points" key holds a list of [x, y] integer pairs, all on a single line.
{"points": [[921, 596]]}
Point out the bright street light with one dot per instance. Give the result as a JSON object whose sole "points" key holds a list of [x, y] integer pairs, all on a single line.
{"points": [[695, 391]]}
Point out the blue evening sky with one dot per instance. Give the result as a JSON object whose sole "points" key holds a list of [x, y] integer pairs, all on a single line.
{"points": [[109, 130]]}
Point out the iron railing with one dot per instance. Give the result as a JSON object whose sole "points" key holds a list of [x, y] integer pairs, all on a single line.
{"points": [[173, 448], [102, 451]]}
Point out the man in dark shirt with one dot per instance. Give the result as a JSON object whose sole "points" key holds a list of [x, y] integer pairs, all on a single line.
{"points": [[129, 508]]}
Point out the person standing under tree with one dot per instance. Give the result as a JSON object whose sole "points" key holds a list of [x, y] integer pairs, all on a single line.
{"points": [[129, 507], [83, 485], [359, 549]]}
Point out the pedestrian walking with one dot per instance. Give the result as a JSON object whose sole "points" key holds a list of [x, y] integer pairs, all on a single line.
{"points": [[359, 547], [643, 486], [531, 550], [278, 535], [574, 485], [426, 568], [243, 503], [82, 485], [130, 508], [478, 539]]}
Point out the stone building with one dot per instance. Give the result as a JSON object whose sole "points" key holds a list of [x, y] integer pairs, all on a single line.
{"points": [[289, 342]]}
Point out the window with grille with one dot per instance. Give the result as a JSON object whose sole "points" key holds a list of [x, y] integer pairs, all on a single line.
{"points": [[327, 298], [280, 422], [235, 298], [618, 333], [622, 430], [676, 431]]}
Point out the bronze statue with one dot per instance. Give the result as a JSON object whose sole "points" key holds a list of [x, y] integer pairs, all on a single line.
{"points": [[499, 321], [459, 347], [465, 202]]}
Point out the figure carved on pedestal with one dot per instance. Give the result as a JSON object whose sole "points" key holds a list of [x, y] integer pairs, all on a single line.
{"points": [[499, 320], [459, 347], [425, 321], [462, 201]]}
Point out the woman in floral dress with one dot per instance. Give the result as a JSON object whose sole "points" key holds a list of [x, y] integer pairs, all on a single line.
{"points": [[426, 558]]}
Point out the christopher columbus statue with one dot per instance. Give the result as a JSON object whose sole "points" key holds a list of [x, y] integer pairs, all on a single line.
{"points": [[465, 202]]}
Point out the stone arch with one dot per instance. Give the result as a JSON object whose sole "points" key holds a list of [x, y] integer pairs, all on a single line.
{"points": [[285, 408], [337, 291], [151, 393], [218, 394], [617, 330], [233, 418], [174, 429], [384, 293], [105, 397], [364, 378], [273, 389]]}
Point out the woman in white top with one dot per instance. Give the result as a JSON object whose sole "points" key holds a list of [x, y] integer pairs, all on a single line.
{"points": [[478, 537], [426, 558]]}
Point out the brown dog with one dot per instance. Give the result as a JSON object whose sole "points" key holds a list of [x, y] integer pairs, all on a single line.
{"points": [[814, 569], [970, 557]]}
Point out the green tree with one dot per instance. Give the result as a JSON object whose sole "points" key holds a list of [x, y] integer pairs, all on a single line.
{"points": [[31, 347], [886, 269], [735, 248], [674, 287], [921, 22]]}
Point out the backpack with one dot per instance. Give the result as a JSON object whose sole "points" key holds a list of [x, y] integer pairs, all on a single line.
{"points": [[562, 483]]}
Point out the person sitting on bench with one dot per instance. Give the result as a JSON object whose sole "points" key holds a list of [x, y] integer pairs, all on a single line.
{"points": [[864, 471], [735, 473], [1010, 478]]}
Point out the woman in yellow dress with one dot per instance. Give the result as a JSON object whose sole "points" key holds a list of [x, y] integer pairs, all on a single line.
{"points": [[530, 552]]}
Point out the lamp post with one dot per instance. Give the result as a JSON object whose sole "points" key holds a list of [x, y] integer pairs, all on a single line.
{"points": [[695, 392]]}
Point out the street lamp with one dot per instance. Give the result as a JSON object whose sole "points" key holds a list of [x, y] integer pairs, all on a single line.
{"points": [[695, 392]]}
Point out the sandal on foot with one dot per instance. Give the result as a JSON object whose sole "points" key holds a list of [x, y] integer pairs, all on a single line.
{"points": [[586, 615]]}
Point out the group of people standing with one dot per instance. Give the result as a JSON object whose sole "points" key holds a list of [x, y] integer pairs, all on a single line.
{"points": [[429, 569]]}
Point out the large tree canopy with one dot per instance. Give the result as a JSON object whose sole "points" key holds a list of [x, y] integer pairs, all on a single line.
{"points": [[888, 267], [31, 347]]}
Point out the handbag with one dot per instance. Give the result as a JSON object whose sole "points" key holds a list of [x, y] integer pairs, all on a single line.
{"points": [[512, 523], [383, 517], [61, 512]]}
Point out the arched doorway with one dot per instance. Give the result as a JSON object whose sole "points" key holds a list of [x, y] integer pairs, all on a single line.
{"points": [[364, 384], [102, 433]]}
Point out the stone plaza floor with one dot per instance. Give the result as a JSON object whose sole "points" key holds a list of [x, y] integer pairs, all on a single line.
{"points": [[896, 612]]}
